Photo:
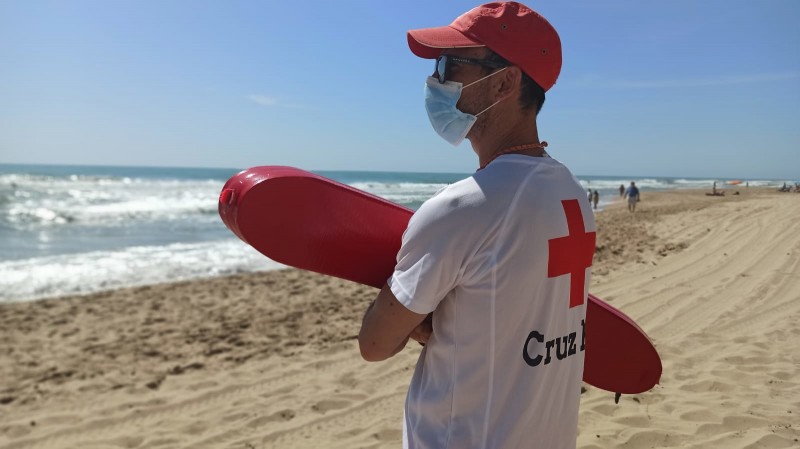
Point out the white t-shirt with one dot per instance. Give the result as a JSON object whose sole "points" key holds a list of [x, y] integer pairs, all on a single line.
{"points": [[494, 256]]}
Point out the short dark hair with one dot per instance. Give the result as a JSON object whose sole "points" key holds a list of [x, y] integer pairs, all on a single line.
{"points": [[532, 95]]}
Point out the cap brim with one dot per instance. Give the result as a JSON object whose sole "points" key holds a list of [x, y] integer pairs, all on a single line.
{"points": [[428, 43]]}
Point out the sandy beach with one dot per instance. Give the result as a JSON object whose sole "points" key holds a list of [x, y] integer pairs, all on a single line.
{"points": [[270, 360]]}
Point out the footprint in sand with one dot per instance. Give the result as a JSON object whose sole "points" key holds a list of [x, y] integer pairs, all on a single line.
{"points": [[347, 380], [772, 441], [656, 438], [168, 442], [59, 420], [283, 415], [634, 421], [127, 442], [605, 409], [196, 428], [741, 422], [730, 424], [202, 385], [701, 415], [328, 405], [387, 434], [708, 385], [782, 375], [347, 434], [239, 416], [15, 431]]}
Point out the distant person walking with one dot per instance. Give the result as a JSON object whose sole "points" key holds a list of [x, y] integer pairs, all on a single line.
{"points": [[633, 196], [622, 190], [589, 196], [595, 198]]}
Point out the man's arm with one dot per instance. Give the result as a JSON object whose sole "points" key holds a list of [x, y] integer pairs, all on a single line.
{"points": [[386, 327]]}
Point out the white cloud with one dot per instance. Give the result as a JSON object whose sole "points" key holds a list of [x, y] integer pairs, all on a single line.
{"points": [[687, 82], [263, 100]]}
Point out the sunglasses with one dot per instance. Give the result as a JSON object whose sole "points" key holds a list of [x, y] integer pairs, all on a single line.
{"points": [[440, 71]]}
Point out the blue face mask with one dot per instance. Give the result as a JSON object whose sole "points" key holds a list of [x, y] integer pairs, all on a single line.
{"points": [[440, 102]]}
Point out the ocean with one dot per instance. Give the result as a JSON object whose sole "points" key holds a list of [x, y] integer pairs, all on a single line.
{"points": [[72, 229]]}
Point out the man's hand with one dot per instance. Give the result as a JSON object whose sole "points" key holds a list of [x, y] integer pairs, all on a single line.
{"points": [[422, 333]]}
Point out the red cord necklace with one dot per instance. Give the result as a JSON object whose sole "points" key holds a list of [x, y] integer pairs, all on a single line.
{"points": [[527, 146]]}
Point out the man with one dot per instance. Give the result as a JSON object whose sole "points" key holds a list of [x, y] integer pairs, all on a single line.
{"points": [[632, 193], [493, 271]]}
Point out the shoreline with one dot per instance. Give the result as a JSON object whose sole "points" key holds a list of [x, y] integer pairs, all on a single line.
{"points": [[269, 359], [257, 258]]}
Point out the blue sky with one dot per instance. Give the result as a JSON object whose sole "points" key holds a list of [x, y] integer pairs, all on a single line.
{"points": [[661, 88]]}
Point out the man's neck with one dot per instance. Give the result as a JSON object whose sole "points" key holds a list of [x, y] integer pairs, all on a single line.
{"points": [[486, 148]]}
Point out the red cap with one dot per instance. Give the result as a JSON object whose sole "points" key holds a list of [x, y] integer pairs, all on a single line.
{"points": [[510, 29]]}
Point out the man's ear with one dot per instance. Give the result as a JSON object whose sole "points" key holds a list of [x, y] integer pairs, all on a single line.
{"points": [[510, 82]]}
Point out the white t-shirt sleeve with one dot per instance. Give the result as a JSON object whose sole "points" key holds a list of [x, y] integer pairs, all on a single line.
{"points": [[432, 256]]}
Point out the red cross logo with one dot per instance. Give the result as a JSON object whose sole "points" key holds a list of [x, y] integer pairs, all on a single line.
{"points": [[572, 254]]}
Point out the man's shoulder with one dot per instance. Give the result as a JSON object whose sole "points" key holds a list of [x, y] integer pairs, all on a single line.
{"points": [[453, 198], [458, 203]]}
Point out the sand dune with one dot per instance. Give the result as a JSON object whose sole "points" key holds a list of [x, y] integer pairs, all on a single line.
{"points": [[269, 360]]}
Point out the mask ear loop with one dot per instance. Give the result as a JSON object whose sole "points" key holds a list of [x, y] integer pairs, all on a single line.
{"points": [[487, 76], [490, 107], [477, 81]]}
